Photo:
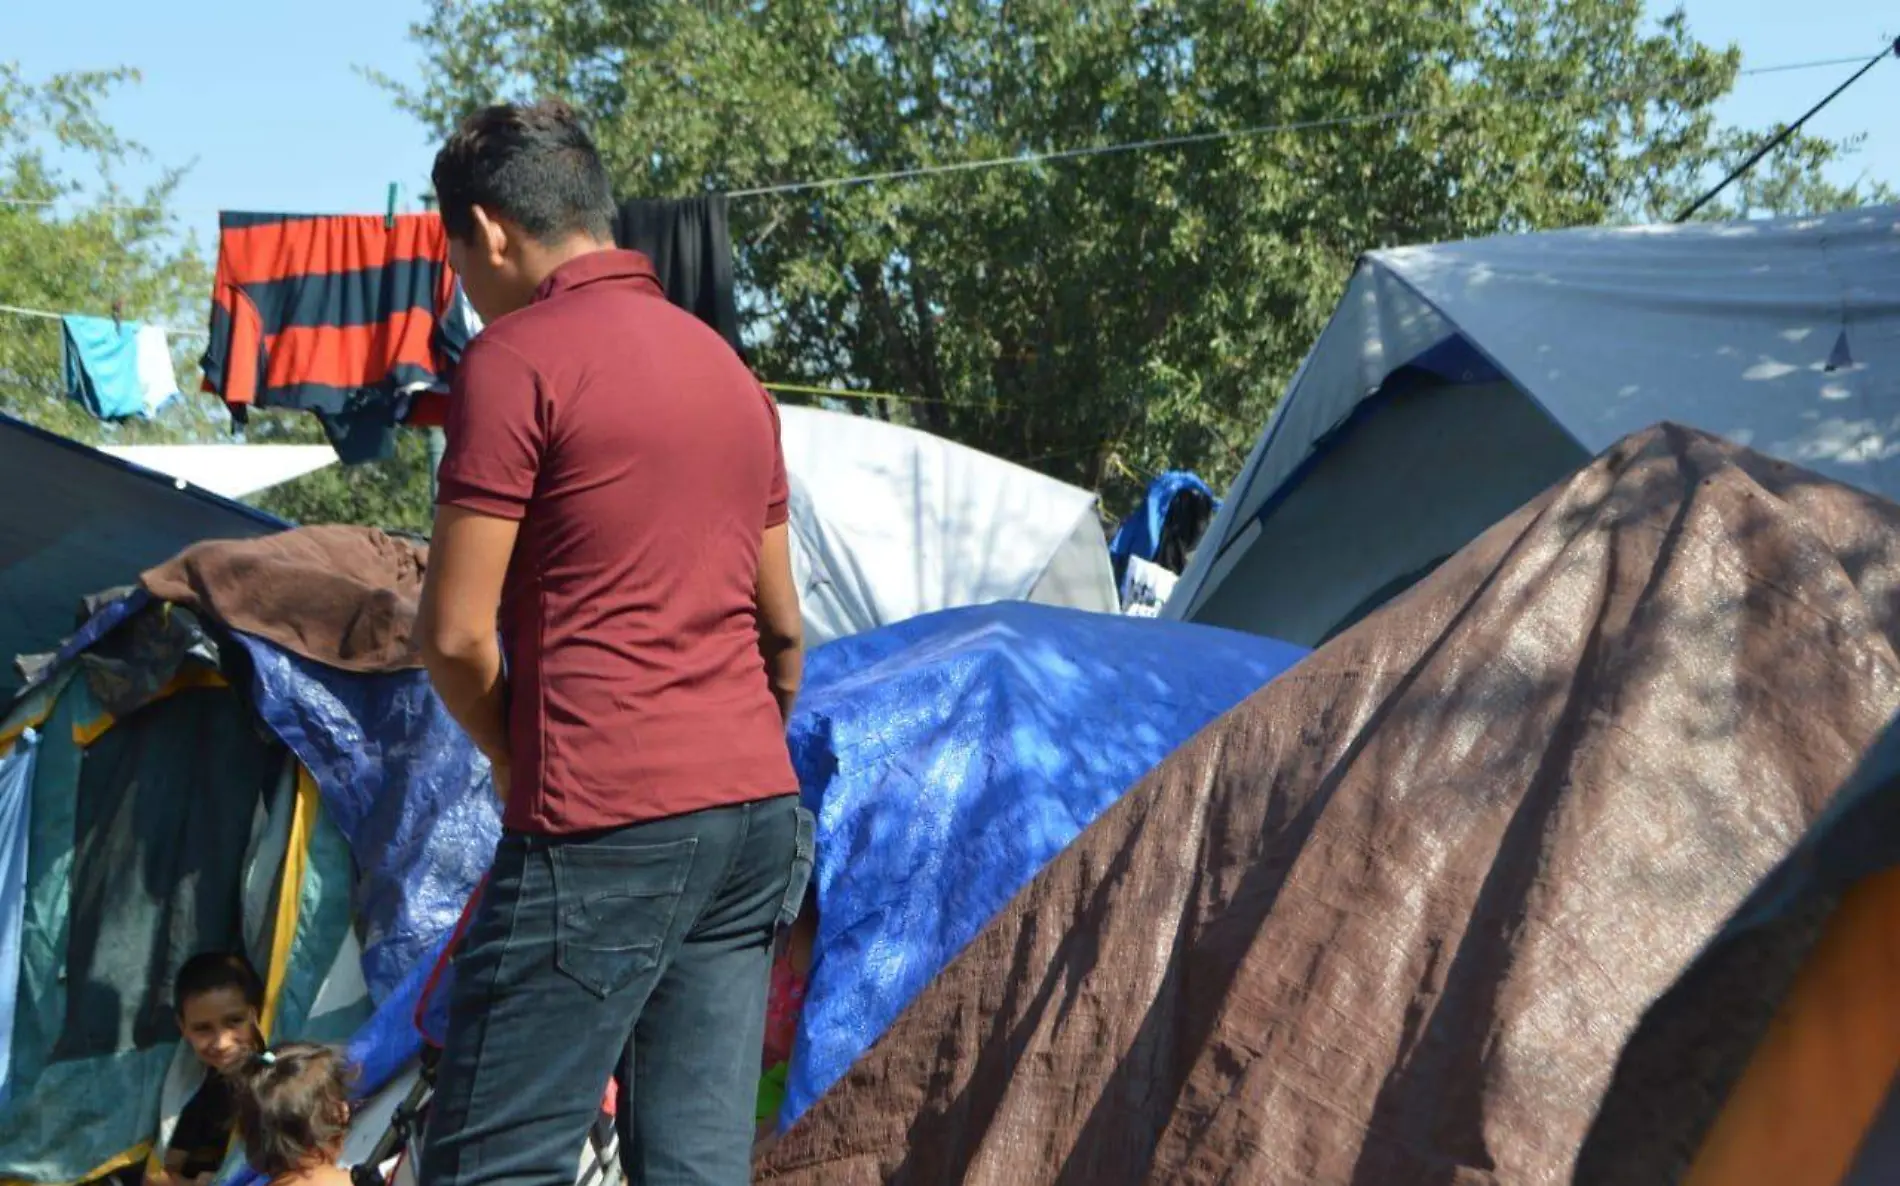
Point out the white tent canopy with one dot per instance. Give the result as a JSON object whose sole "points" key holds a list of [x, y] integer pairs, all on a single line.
{"points": [[1456, 382], [230, 471], [889, 523]]}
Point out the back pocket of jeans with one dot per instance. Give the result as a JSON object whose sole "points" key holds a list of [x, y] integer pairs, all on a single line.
{"points": [[614, 909]]}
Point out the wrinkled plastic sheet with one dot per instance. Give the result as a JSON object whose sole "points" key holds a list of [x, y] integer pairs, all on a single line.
{"points": [[405, 786], [948, 758], [411, 794], [1392, 920], [109, 617]]}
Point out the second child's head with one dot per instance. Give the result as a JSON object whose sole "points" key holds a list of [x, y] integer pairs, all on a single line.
{"points": [[218, 998], [293, 1108]]}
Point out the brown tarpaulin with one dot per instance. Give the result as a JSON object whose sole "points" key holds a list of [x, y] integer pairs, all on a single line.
{"points": [[342, 596], [1390, 921]]}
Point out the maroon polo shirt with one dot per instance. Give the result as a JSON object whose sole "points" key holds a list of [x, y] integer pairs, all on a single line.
{"points": [[642, 461]]}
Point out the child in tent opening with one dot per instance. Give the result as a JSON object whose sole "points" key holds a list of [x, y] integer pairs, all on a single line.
{"points": [[293, 1106], [217, 997], [786, 1000]]}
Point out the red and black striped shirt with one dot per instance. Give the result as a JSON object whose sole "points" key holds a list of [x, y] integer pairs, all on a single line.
{"points": [[309, 310]]}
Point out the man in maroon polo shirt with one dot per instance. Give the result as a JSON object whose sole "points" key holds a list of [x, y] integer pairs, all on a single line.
{"points": [[614, 498]]}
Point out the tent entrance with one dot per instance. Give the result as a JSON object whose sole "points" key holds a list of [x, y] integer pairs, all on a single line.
{"points": [[1427, 468]]}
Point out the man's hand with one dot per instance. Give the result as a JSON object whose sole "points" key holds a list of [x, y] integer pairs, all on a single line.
{"points": [[781, 623]]}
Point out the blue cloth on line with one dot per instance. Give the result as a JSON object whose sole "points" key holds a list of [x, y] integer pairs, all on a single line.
{"points": [[16, 797], [949, 758], [102, 366]]}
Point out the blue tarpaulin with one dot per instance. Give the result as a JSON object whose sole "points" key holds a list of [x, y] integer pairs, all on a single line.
{"points": [[16, 798], [405, 786], [949, 758], [411, 794]]}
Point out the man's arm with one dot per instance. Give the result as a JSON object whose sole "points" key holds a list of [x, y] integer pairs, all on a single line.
{"points": [[461, 597], [781, 625]]}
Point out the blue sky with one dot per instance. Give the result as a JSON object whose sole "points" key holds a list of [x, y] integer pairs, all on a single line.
{"points": [[280, 119]]}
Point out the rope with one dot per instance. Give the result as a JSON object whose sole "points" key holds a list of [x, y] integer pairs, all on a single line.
{"points": [[849, 393], [1164, 142], [49, 315], [1079, 153], [788, 388]]}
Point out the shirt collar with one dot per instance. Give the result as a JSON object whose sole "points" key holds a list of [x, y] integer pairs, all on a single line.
{"points": [[601, 267]]}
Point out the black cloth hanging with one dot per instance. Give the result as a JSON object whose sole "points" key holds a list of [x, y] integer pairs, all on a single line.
{"points": [[1190, 512], [690, 245]]}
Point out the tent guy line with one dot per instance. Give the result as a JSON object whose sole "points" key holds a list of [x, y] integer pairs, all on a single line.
{"points": [[1089, 151]]}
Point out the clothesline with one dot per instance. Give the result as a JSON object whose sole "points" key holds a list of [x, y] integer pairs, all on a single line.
{"points": [[785, 388], [1089, 151], [1191, 139], [49, 315], [853, 393]]}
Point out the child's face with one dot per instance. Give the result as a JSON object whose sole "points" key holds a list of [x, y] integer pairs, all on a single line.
{"points": [[221, 1027]]}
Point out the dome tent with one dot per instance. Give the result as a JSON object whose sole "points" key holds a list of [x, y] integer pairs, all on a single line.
{"points": [[1455, 382], [889, 523], [240, 755]]}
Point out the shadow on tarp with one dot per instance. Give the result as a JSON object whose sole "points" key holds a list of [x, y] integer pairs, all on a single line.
{"points": [[1393, 919], [1686, 1058], [950, 757]]}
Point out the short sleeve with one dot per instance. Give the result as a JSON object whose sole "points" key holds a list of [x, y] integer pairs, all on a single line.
{"points": [[778, 502], [496, 430]]}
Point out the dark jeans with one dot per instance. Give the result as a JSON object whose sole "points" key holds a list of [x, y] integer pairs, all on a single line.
{"points": [[641, 953]]}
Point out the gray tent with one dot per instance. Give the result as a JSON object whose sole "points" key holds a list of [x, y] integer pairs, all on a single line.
{"points": [[1456, 382]]}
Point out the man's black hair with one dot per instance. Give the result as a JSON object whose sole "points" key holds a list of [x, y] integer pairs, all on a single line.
{"points": [[533, 165], [210, 971]]}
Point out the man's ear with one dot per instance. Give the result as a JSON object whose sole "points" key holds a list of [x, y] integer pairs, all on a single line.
{"points": [[490, 239]]}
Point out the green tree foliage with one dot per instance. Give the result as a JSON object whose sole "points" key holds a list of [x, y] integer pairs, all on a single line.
{"points": [[392, 494], [74, 239], [1107, 317]]}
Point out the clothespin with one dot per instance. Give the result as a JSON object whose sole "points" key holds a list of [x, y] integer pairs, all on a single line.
{"points": [[389, 215], [118, 314]]}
